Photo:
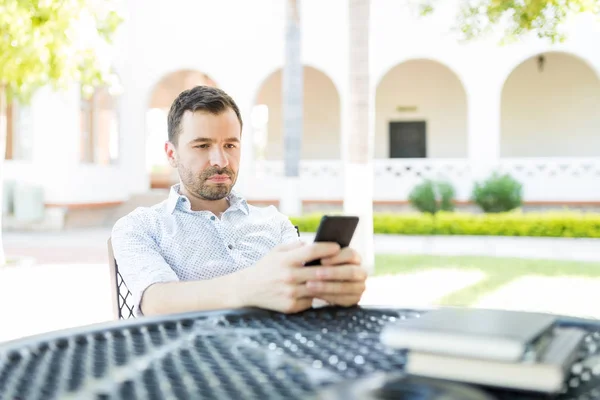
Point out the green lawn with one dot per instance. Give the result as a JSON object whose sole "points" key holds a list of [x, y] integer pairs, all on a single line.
{"points": [[498, 271]]}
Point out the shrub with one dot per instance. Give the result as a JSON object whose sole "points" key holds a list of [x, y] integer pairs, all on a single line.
{"points": [[431, 197], [548, 224], [499, 193]]}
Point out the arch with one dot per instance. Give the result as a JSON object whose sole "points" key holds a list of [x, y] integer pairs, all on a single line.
{"points": [[100, 124], [549, 108], [162, 95], [531, 55], [173, 83], [322, 117], [429, 93]]}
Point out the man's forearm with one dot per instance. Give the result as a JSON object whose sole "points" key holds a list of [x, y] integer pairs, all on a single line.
{"points": [[175, 297]]}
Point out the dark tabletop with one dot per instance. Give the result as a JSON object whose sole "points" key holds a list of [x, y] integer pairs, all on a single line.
{"points": [[321, 353]]}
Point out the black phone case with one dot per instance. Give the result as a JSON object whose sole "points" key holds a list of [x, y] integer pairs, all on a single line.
{"points": [[335, 228]]}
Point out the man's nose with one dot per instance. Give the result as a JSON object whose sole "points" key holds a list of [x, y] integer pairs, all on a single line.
{"points": [[218, 158]]}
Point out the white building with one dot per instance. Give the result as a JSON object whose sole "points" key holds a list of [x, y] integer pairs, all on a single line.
{"points": [[441, 108]]}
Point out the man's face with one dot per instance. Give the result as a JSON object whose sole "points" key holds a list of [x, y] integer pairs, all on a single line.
{"points": [[207, 154]]}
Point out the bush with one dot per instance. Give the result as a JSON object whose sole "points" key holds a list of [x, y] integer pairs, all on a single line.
{"points": [[307, 223], [549, 224], [431, 197], [499, 193]]}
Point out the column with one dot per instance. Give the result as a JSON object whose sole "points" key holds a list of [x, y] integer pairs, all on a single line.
{"points": [[132, 153], [246, 171], [484, 100], [358, 129], [57, 139]]}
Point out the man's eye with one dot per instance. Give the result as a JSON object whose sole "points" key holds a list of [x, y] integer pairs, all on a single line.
{"points": [[201, 146], [230, 146]]}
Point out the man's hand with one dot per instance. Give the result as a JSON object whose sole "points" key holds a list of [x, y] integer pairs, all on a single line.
{"points": [[341, 279], [281, 282]]}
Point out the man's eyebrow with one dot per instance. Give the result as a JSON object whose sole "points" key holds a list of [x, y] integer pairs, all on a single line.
{"points": [[209, 140], [202, 140]]}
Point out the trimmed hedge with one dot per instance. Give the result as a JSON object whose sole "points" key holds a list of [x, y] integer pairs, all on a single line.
{"points": [[547, 224]]}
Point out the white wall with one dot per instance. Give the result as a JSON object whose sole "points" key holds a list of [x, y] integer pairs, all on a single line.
{"points": [[239, 43], [440, 101], [321, 129], [551, 113], [55, 165]]}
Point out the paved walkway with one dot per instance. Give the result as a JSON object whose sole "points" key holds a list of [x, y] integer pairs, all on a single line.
{"points": [[69, 285], [90, 246], [520, 247]]}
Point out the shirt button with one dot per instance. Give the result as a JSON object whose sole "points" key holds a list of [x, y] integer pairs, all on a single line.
{"points": [[212, 218], [230, 246]]}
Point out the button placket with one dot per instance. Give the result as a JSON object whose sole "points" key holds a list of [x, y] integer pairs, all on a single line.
{"points": [[231, 242]]}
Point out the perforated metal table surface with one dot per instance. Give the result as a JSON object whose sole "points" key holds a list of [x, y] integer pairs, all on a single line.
{"points": [[231, 355]]}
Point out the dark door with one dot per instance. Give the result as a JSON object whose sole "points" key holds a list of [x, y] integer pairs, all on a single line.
{"points": [[408, 139]]}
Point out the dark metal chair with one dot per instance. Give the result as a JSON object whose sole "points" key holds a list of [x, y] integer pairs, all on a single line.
{"points": [[121, 296]]}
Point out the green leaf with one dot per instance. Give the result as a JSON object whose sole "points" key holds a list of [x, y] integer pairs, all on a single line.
{"points": [[55, 42], [517, 18]]}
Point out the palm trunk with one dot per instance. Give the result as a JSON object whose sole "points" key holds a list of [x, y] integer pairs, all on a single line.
{"points": [[291, 203], [358, 149], [3, 132]]}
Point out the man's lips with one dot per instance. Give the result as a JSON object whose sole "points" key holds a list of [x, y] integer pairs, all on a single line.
{"points": [[219, 178]]}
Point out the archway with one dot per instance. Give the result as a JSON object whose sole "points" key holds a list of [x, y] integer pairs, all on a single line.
{"points": [[321, 124], [550, 108], [420, 111]]}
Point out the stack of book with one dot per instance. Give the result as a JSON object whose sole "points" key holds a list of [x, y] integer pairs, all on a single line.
{"points": [[496, 348]]}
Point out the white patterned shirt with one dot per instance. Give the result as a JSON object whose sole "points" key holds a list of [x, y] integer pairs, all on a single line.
{"points": [[170, 242]]}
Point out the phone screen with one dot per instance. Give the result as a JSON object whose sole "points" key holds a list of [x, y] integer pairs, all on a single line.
{"points": [[335, 228]]}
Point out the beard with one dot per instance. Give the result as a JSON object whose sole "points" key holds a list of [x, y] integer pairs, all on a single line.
{"points": [[201, 187]]}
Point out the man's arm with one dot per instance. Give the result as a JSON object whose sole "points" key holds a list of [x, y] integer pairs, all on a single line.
{"points": [[155, 287], [277, 282], [289, 234], [172, 297]]}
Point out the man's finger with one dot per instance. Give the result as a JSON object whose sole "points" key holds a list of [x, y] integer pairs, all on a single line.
{"points": [[313, 251], [327, 273], [289, 246], [346, 256], [341, 300], [318, 288], [324, 273]]}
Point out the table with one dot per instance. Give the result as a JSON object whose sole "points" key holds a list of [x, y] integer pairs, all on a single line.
{"points": [[240, 354]]}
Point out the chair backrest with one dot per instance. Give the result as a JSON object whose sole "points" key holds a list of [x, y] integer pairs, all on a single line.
{"points": [[120, 293]]}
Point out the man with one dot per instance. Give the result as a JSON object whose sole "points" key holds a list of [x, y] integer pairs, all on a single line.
{"points": [[205, 247]]}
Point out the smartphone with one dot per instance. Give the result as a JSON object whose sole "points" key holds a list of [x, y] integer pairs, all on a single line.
{"points": [[335, 228]]}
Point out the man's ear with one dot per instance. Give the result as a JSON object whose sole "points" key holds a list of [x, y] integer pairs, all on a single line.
{"points": [[171, 153]]}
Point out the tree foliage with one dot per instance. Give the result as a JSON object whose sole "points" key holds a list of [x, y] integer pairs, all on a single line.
{"points": [[515, 17], [55, 42]]}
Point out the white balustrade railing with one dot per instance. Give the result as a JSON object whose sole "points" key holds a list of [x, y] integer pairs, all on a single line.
{"points": [[543, 179]]}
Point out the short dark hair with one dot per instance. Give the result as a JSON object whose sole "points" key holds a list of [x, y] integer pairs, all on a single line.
{"points": [[200, 98]]}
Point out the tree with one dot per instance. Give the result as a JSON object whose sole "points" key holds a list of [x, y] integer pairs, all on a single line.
{"points": [[293, 95], [516, 18], [53, 43], [357, 150]]}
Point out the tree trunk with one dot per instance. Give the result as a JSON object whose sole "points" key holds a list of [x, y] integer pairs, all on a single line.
{"points": [[3, 132], [291, 203], [357, 149]]}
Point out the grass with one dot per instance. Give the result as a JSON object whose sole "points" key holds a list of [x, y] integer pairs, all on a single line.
{"points": [[498, 271]]}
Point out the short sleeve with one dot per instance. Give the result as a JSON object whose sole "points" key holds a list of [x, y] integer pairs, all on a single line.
{"points": [[289, 233], [138, 255]]}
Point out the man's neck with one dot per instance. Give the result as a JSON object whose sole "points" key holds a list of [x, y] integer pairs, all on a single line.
{"points": [[217, 207]]}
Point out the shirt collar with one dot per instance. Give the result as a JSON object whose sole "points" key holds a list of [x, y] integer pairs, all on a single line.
{"points": [[235, 200]]}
